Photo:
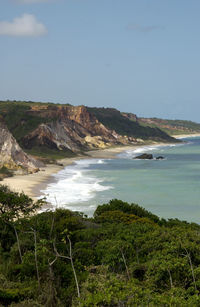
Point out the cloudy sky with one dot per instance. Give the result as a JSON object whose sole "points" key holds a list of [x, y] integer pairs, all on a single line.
{"points": [[140, 56]]}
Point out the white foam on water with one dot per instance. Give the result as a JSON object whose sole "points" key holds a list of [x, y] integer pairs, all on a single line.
{"points": [[74, 184], [132, 153], [129, 154], [101, 161]]}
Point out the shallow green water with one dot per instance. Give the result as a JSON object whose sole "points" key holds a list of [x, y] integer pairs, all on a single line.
{"points": [[169, 188]]}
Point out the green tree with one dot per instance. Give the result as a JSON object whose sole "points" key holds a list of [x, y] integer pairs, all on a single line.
{"points": [[14, 206]]}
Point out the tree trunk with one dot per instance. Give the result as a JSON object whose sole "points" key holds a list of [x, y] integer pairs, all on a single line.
{"points": [[127, 271], [36, 259], [192, 270], [18, 243], [170, 278], [72, 264]]}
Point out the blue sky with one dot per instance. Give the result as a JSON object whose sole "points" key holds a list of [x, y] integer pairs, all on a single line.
{"points": [[139, 56]]}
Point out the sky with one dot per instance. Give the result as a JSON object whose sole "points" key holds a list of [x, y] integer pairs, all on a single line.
{"points": [[139, 56]]}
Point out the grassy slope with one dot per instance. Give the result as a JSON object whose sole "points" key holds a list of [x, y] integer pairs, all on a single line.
{"points": [[114, 120]]}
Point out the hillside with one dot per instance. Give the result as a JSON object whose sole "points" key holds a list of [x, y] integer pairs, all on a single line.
{"points": [[169, 126], [172, 127], [57, 130], [124, 125]]}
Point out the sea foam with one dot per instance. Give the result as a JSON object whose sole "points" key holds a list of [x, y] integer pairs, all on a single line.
{"points": [[74, 184], [132, 153]]}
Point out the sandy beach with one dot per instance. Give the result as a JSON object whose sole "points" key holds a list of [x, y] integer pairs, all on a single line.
{"points": [[31, 184]]}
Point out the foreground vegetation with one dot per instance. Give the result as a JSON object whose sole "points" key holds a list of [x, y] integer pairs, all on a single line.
{"points": [[123, 256]]}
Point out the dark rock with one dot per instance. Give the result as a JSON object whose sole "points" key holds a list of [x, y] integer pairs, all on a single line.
{"points": [[145, 156], [159, 158]]}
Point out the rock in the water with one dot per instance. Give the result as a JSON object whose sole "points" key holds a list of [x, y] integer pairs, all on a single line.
{"points": [[145, 156], [159, 158]]}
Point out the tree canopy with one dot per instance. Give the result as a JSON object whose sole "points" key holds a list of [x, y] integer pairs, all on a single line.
{"points": [[124, 256]]}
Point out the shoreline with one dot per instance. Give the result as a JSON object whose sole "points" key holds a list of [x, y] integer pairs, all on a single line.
{"points": [[32, 184], [182, 136]]}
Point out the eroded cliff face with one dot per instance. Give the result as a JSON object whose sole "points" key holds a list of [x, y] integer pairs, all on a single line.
{"points": [[53, 130], [12, 156], [71, 128]]}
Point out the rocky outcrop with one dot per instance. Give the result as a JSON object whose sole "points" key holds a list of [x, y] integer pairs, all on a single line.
{"points": [[11, 154], [160, 158], [145, 156]]}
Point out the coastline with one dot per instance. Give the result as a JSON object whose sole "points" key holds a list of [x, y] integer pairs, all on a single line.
{"points": [[32, 184], [182, 136]]}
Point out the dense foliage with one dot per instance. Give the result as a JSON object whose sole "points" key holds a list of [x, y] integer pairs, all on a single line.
{"points": [[124, 256]]}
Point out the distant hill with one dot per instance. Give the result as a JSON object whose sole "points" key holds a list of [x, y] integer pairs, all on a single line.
{"points": [[172, 127]]}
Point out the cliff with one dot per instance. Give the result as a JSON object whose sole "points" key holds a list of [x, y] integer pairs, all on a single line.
{"points": [[69, 129], [53, 130], [11, 154]]}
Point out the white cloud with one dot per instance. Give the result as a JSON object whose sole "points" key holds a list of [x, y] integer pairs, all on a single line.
{"points": [[26, 25]]}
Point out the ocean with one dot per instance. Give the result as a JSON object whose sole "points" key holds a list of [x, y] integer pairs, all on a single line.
{"points": [[170, 188]]}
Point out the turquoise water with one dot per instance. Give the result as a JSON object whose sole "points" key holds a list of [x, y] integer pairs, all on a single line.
{"points": [[169, 188]]}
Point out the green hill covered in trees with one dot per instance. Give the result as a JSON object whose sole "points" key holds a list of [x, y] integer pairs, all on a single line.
{"points": [[123, 256]]}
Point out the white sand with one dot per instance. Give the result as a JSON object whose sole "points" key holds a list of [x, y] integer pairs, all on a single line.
{"points": [[31, 184]]}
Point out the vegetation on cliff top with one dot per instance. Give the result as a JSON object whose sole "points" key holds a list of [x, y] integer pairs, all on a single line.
{"points": [[21, 120], [114, 120], [124, 256], [172, 127]]}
